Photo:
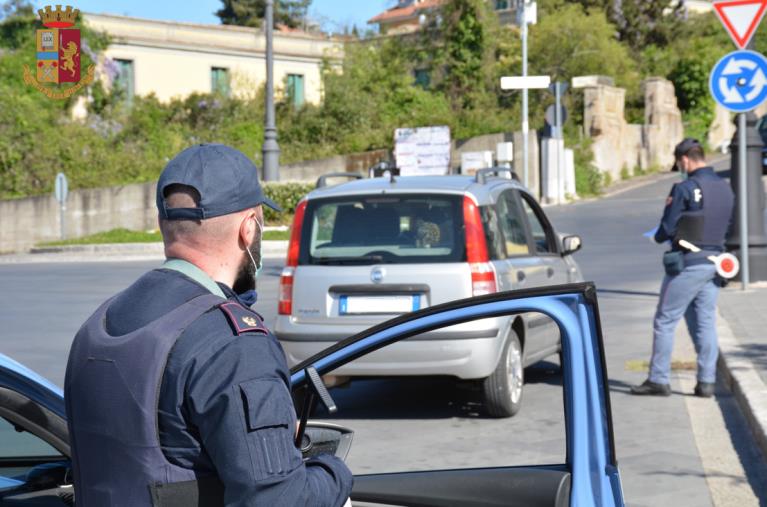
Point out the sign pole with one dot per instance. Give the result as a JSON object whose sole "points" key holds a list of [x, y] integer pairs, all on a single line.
{"points": [[559, 136], [525, 123], [743, 200], [61, 191], [270, 149]]}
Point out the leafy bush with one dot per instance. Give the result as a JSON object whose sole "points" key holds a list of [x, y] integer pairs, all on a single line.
{"points": [[287, 196]]}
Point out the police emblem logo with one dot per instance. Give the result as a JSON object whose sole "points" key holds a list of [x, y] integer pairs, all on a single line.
{"points": [[250, 321], [58, 54]]}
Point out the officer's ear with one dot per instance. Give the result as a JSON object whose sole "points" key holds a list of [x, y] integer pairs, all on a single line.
{"points": [[247, 230]]}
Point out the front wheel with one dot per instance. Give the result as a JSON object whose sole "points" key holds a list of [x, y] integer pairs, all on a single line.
{"points": [[502, 390]]}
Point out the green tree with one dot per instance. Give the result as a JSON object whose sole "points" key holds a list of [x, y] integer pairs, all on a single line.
{"points": [[458, 46], [644, 22], [291, 13]]}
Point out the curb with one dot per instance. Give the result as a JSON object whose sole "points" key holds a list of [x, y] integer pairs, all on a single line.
{"points": [[744, 382], [105, 248], [116, 252]]}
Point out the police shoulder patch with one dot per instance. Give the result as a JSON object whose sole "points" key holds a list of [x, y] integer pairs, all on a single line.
{"points": [[242, 319]]}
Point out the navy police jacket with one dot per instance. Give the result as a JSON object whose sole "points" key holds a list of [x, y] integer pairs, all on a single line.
{"points": [[706, 201], [225, 388]]}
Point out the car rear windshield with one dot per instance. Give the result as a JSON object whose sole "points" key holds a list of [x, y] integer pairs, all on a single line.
{"points": [[401, 229]]}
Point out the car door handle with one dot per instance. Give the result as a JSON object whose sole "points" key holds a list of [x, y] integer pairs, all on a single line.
{"points": [[549, 272], [521, 276]]}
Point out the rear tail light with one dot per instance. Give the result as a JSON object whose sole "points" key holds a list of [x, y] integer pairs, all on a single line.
{"points": [[285, 299], [483, 279]]}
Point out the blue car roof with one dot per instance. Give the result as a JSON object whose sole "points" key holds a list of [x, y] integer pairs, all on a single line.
{"points": [[19, 378]]}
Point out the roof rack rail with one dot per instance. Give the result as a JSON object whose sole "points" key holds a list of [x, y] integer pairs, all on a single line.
{"points": [[482, 174], [322, 180]]}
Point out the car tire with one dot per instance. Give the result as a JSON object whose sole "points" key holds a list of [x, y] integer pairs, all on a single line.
{"points": [[502, 390]]}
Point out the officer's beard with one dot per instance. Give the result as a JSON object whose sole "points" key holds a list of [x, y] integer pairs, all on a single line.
{"points": [[246, 277]]}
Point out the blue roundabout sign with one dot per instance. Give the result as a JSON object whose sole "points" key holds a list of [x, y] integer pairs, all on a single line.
{"points": [[739, 81]]}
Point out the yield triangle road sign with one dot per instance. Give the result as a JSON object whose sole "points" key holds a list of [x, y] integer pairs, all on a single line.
{"points": [[740, 18]]}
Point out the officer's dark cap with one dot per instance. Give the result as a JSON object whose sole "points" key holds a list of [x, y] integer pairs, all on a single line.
{"points": [[225, 178], [683, 148]]}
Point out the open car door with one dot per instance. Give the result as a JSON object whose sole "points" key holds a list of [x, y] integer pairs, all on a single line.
{"points": [[35, 469], [588, 474]]}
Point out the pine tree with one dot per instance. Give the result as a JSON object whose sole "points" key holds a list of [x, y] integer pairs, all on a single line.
{"points": [[646, 22], [291, 13]]}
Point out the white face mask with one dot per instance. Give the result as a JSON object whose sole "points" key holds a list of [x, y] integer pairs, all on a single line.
{"points": [[258, 265]]}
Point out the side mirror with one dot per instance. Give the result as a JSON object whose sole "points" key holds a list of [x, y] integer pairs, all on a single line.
{"points": [[571, 244]]}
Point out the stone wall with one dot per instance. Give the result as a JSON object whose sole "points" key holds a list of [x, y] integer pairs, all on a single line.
{"points": [[618, 144], [25, 222]]}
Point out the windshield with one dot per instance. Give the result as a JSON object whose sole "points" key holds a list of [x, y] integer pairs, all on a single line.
{"points": [[383, 229]]}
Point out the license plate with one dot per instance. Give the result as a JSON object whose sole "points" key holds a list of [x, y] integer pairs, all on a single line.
{"points": [[349, 305]]}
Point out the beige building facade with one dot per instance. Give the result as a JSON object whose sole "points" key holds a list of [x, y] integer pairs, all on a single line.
{"points": [[173, 60]]}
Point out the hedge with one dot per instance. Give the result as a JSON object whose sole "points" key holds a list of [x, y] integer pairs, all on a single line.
{"points": [[286, 195]]}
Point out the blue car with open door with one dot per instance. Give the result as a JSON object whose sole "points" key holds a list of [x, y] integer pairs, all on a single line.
{"points": [[33, 435]]}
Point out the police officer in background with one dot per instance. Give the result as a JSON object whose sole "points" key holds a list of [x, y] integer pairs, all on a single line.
{"points": [[698, 210], [176, 393]]}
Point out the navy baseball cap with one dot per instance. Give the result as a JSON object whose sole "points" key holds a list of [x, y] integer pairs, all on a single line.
{"points": [[683, 148], [225, 178]]}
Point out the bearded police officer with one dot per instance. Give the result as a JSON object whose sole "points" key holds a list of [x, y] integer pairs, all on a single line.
{"points": [[176, 392], [698, 210]]}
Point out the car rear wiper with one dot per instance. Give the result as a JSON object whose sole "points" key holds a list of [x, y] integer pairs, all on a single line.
{"points": [[359, 259]]}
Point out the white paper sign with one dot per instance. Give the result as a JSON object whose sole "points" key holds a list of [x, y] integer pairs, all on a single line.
{"points": [[422, 151]]}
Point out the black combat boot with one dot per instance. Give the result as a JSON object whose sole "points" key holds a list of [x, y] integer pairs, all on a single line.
{"points": [[704, 389], [651, 388]]}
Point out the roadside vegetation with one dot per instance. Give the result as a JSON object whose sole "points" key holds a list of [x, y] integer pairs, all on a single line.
{"points": [[128, 236], [458, 60]]}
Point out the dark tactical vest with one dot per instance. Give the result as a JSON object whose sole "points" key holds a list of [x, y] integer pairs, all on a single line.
{"points": [[707, 228], [112, 388]]}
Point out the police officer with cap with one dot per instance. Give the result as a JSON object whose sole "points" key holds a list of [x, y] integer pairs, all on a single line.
{"points": [[176, 393], [698, 210]]}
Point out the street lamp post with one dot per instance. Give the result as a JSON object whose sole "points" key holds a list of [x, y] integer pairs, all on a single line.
{"points": [[271, 150], [525, 121]]}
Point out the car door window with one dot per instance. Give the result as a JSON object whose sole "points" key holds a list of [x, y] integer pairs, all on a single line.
{"points": [[542, 237], [422, 423], [493, 236], [512, 225], [20, 451], [17, 443]]}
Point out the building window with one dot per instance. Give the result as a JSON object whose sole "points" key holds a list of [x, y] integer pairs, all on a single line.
{"points": [[125, 79], [295, 89], [219, 81], [502, 5], [422, 78]]}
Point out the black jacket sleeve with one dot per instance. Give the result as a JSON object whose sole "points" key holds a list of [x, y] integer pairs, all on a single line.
{"points": [[240, 403], [675, 204]]}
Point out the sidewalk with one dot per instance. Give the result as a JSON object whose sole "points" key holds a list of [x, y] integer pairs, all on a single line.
{"points": [[743, 352]]}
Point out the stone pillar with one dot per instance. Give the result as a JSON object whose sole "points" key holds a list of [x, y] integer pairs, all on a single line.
{"points": [[534, 162], [721, 130], [663, 121], [604, 122]]}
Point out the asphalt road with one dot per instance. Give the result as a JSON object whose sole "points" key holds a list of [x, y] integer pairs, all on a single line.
{"points": [[434, 423]]}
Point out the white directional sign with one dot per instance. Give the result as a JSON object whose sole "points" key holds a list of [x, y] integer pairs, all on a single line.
{"points": [[529, 82], [741, 18]]}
